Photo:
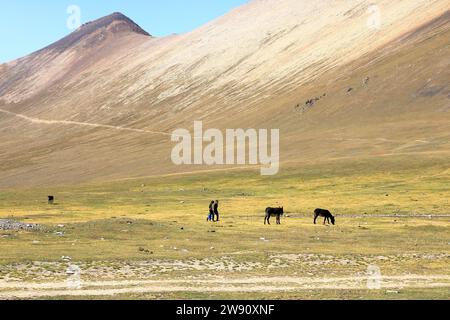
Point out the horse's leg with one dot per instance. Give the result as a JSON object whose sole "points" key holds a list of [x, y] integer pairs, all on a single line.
{"points": [[324, 221], [265, 219], [315, 219], [268, 220]]}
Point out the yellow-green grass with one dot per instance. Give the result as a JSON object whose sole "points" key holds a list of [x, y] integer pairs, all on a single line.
{"points": [[405, 294], [377, 186], [395, 209]]}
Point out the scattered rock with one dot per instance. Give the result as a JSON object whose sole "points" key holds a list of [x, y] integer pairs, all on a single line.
{"points": [[143, 250], [366, 81], [349, 90], [245, 194], [309, 104], [8, 224], [71, 270]]}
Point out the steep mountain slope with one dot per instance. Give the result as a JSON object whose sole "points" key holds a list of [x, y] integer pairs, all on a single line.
{"points": [[100, 103], [69, 57]]}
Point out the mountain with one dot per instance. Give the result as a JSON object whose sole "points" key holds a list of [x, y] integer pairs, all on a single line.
{"points": [[68, 57], [92, 33], [100, 103]]}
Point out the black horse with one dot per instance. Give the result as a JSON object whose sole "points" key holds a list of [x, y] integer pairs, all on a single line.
{"points": [[273, 212], [325, 214]]}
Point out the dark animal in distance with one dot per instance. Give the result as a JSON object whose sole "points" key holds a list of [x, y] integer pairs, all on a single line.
{"points": [[51, 199], [273, 212], [324, 214]]}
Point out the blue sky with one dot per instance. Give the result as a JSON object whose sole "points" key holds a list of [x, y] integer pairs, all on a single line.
{"points": [[29, 25]]}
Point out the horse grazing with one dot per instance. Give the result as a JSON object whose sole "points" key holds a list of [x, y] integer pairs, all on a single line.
{"points": [[325, 214], [51, 199], [273, 212]]}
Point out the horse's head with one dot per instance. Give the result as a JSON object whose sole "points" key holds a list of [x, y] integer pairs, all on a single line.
{"points": [[333, 220]]}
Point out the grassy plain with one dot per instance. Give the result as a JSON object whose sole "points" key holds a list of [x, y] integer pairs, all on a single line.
{"points": [[392, 213]]}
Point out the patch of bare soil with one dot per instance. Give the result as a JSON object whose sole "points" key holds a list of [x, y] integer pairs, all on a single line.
{"points": [[246, 284], [106, 278]]}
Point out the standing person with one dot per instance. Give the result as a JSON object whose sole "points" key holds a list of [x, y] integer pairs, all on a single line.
{"points": [[216, 209], [211, 212]]}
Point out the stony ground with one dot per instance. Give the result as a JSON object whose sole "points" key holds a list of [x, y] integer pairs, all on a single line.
{"points": [[9, 224]]}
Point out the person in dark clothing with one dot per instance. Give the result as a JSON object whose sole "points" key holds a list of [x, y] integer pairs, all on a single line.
{"points": [[216, 209], [211, 211]]}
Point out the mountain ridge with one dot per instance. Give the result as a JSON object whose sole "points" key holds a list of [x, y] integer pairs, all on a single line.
{"points": [[115, 22], [69, 56]]}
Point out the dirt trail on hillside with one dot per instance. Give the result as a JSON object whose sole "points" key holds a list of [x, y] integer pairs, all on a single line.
{"points": [[28, 290], [77, 123]]}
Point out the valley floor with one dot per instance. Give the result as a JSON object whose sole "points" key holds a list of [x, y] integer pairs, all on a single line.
{"points": [[149, 239]]}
